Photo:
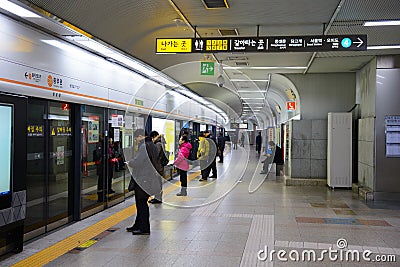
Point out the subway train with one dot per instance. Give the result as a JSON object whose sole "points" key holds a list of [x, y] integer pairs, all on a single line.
{"points": [[69, 113]]}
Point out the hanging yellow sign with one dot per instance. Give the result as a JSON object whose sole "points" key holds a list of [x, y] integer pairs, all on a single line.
{"points": [[174, 45]]}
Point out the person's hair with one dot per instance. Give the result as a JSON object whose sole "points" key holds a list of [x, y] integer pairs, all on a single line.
{"points": [[201, 134], [184, 132], [139, 132], [184, 138], [206, 132], [153, 134], [271, 143]]}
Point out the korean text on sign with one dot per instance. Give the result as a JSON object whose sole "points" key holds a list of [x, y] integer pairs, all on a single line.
{"points": [[174, 46]]}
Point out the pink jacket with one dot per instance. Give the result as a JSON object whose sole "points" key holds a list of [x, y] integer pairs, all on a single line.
{"points": [[183, 153]]}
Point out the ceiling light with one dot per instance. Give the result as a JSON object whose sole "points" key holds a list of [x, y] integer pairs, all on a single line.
{"points": [[382, 23], [228, 32], [215, 4], [17, 10], [250, 91], [248, 80], [265, 68], [378, 47], [261, 98]]}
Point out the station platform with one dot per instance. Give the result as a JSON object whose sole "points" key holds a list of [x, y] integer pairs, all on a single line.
{"points": [[242, 218]]}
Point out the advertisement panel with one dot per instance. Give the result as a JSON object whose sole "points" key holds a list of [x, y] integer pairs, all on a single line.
{"points": [[6, 119]]}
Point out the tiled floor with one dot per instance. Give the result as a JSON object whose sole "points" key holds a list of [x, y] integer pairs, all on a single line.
{"points": [[221, 224]]}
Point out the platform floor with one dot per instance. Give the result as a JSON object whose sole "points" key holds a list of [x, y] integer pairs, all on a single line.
{"points": [[220, 223]]}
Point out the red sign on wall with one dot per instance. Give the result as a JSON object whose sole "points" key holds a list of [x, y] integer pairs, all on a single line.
{"points": [[65, 106], [291, 105]]}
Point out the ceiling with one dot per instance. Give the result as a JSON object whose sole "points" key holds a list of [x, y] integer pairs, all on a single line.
{"points": [[133, 26]]}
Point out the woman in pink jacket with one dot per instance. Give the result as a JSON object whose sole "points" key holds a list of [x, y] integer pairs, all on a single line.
{"points": [[182, 164]]}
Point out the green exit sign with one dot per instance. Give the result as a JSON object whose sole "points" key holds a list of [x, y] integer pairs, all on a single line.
{"points": [[138, 102], [207, 68]]}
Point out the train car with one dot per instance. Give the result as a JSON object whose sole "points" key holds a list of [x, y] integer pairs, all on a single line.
{"points": [[73, 114]]}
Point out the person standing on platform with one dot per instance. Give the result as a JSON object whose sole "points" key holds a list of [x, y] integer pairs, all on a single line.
{"points": [[212, 155], [182, 164], [242, 140], [162, 161], [221, 147], [234, 140], [145, 178], [258, 143], [203, 155]]}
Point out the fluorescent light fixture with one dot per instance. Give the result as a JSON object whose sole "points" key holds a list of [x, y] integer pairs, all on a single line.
{"points": [[17, 10], [260, 98], [265, 68], [63, 46], [130, 62], [250, 91], [382, 23], [379, 47], [249, 80]]}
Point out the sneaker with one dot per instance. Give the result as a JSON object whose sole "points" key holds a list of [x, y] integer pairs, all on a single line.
{"points": [[202, 179], [181, 194]]}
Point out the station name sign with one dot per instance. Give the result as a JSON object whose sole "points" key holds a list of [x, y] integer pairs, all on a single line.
{"points": [[310, 43]]}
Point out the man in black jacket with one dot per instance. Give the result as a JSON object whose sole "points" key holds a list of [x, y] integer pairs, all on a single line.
{"points": [[146, 181], [162, 161], [278, 159]]}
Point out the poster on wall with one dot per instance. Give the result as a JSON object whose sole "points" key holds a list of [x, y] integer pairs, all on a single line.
{"points": [[93, 129], [6, 119], [392, 130], [139, 122], [117, 120], [60, 155], [116, 134], [167, 129], [128, 122]]}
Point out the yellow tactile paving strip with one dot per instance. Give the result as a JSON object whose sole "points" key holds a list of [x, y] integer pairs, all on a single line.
{"points": [[53, 252]]}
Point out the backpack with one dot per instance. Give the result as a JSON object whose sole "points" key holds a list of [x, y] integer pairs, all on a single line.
{"points": [[161, 155], [163, 159]]}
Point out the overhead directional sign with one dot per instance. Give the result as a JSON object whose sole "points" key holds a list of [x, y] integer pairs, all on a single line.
{"points": [[311, 43], [207, 68]]}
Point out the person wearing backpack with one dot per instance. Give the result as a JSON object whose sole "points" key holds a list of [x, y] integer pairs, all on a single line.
{"points": [[162, 161]]}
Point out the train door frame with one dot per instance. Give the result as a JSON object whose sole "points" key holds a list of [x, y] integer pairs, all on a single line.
{"points": [[115, 125], [12, 232], [53, 132]]}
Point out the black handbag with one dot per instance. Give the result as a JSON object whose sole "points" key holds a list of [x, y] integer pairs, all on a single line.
{"points": [[131, 185]]}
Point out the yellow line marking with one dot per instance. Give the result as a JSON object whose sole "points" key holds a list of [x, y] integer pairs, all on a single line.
{"points": [[57, 250]]}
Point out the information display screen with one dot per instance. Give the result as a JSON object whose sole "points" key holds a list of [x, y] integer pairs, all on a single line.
{"points": [[6, 122]]}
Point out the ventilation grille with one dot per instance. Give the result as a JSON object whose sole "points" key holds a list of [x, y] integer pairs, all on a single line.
{"points": [[228, 32], [216, 4], [237, 58], [241, 63]]}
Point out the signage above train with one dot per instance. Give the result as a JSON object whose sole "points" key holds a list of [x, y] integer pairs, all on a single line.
{"points": [[311, 43]]}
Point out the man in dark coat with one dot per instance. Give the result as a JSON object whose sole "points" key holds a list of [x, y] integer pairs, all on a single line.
{"points": [[221, 147], [145, 177], [278, 159], [258, 143]]}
